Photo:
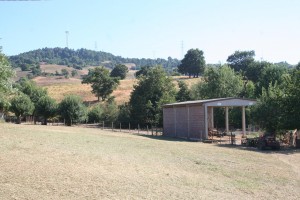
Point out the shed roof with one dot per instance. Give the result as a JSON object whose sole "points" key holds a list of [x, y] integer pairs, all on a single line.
{"points": [[229, 101]]}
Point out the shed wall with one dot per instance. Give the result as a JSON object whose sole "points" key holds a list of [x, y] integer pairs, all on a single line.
{"points": [[184, 122]]}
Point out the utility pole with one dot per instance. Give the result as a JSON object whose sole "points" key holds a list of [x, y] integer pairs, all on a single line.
{"points": [[67, 39]]}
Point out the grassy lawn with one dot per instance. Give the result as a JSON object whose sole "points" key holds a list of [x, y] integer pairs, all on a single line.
{"points": [[51, 162]]}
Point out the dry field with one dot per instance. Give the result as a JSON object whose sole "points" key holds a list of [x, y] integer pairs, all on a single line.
{"points": [[51, 162], [59, 87]]}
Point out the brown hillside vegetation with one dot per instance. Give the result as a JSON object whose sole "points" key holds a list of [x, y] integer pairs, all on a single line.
{"points": [[53, 162], [59, 87]]}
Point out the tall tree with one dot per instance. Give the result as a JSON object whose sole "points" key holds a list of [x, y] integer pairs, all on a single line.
{"points": [[34, 92], [193, 63], [102, 84], [241, 60], [218, 83], [148, 96], [21, 105], [6, 75], [119, 71], [183, 93], [72, 110], [46, 107]]}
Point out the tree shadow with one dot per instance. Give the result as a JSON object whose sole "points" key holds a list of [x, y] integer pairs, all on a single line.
{"points": [[164, 138], [282, 150]]}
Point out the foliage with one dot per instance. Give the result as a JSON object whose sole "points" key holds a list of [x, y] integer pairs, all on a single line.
{"points": [[95, 114], [143, 71], [183, 93], [65, 73], [124, 114], [81, 58], [119, 71], [46, 107], [21, 105], [240, 60], [110, 111], [6, 75], [218, 83], [30, 88], [268, 111], [102, 84], [74, 73], [270, 74], [148, 96], [193, 63], [72, 110]]}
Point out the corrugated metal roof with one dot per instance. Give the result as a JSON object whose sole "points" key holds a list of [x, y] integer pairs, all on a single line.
{"points": [[200, 102]]}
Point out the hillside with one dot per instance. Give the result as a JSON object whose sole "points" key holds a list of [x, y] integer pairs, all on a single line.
{"points": [[59, 86], [82, 58]]}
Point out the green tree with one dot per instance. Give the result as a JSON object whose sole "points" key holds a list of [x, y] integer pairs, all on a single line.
{"points": [[193, 63], [6, 75], [21, 105], [269, 110], [218, 83], [72, 110], [95, 113], [148, 96], [34, 92], [74, 73], [270, 74], [183, 93], [65, 73], [46, 107], [240, 60], [119, 71], [110, 111], [102, 84], [143, 71]]}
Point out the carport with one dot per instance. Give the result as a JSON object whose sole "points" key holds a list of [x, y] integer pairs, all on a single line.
{"points": [[194, 119]]}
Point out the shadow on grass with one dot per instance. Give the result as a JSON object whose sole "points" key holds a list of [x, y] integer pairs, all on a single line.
{"points": [[164, 138], [283, 150]]}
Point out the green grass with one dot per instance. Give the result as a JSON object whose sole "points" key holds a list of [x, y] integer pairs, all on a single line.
{"points": [[51, 162]]}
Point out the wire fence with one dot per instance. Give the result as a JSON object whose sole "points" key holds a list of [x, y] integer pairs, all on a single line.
{"points": [[133, 128]]}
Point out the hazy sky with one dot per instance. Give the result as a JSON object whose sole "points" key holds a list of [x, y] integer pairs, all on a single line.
{"points": [[155, 28]]}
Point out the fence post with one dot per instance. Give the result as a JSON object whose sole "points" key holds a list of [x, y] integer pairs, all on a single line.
{"points": [[147, 129], [112, 126], [102, 125], [120, 127], [129, 127], [138, 128]]}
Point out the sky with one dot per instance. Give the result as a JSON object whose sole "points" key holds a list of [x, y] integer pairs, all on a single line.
{"points": [[156, 28]]}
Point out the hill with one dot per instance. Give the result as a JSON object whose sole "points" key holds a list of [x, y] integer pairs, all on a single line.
{"points": [[82, 58]]}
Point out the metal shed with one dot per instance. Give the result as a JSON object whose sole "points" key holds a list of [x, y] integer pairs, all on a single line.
{"points": [[192, 119]]}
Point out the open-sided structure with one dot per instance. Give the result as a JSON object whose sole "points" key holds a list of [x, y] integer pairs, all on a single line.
{"points": [[193, 119]]}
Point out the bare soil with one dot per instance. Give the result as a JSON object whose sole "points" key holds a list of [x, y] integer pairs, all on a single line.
{"points": [[55, 162]]}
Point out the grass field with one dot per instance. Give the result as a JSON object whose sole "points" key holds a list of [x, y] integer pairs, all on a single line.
{"points": [[52, 162]]}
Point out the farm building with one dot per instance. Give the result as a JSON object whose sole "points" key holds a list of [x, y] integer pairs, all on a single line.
{"points": [[194, 119]]}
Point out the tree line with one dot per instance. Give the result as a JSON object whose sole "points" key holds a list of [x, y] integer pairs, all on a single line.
{"points": [[275, 86], [81, 58]]}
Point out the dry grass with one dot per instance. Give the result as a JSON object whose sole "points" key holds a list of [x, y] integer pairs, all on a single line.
{"points": [[40, 162], [59, 87]]}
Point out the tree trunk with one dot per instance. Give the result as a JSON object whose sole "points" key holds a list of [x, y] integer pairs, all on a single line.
{"points": [[18, 120], [45, 121]]}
